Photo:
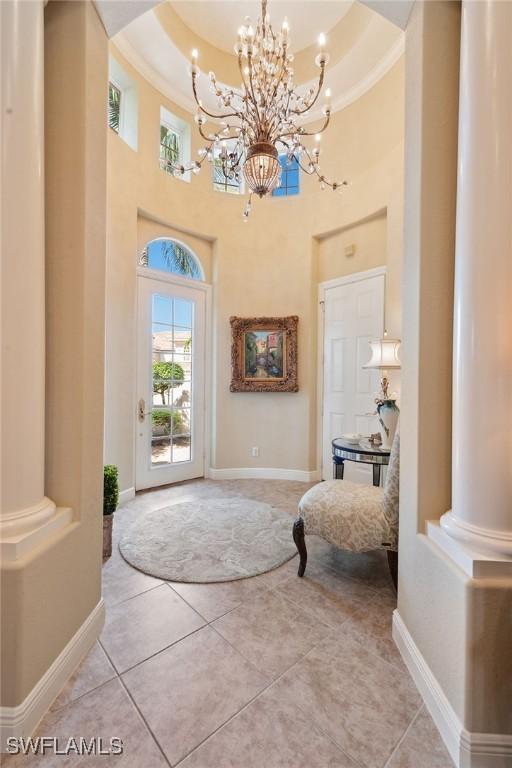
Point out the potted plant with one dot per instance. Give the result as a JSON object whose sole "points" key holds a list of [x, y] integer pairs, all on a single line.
{"points": [[110, 502]]}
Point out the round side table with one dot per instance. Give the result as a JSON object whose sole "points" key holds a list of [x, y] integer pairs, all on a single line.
{"points": [[362, 452]]}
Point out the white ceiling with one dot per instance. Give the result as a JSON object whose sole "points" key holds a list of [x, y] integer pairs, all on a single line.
{"points": [[217, 21]]}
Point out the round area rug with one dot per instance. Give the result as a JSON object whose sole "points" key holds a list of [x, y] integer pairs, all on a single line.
{"points": [[209, 540]]}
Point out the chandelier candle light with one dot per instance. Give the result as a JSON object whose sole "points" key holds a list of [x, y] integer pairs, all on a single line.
{"points": [[263, 118]]}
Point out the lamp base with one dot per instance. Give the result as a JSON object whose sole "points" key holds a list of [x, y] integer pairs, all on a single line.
{"points": [[388, 413]]}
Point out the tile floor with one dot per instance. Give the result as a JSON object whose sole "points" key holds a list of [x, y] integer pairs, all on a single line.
{"points": [[268, 672]]}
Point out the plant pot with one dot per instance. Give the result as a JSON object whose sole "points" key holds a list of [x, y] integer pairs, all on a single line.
{"points": [[107, 535]]}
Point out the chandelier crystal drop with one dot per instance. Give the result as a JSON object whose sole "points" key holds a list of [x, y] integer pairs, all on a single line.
{"points": [[264, 118]]}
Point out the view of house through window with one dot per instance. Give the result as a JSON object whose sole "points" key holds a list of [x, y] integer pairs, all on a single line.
{"points": [[289, 177], [114, 107], [171, 256]]}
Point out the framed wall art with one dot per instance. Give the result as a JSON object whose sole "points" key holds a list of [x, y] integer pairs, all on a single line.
{"points": [[264, 354]]}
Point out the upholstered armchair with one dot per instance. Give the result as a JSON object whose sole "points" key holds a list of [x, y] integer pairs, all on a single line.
{"points": [[355, 517]]}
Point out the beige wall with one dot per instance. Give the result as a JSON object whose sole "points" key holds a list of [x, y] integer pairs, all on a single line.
{"points": [[368, 238], [265, 267], [48, 595]]}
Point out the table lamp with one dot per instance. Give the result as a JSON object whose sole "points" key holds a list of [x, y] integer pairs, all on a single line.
{"points": [[384, 358]]}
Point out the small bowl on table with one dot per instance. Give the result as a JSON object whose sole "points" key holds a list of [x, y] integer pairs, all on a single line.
{"points": [[352, 438]]}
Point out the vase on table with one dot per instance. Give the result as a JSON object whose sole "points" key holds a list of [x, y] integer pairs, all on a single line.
{"points": [[388, 413]]}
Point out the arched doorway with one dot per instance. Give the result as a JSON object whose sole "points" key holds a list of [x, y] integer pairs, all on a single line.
{"points": [[171, 315]]}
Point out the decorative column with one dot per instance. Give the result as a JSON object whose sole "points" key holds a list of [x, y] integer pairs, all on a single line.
{"points": [[481, 515], [24, 507]]}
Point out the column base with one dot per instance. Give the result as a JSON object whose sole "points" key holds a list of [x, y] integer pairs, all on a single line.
{"points": [[24, 520], [477, 565], [490, 542], [16, 541]]}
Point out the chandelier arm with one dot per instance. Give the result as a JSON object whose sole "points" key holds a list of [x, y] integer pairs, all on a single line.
{"points": [[191, 166], [318, 91], [272, 62], [263, 14], [286, 111], [203, 135], [249, 58], [310, 133], [205, 111], [315, 171], [274, 126], [281, 73], [249, 91], [276, 120]]}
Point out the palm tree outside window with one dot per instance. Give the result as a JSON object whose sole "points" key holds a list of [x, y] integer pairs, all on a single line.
{"points": [[170, 149], [171, 256], [114, 107]]}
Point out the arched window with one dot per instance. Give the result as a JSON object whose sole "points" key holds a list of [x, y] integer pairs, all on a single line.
{"points": [[172, 256]]}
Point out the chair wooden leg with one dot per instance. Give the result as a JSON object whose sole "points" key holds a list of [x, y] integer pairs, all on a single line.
{"points": [[393, 567], [300, 543]]}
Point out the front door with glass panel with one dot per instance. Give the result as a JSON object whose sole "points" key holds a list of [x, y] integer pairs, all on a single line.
{"points": [[170, 387]]}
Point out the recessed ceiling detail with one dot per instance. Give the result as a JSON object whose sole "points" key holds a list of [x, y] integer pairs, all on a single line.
{"points": [[362, 44], [217, 21]]}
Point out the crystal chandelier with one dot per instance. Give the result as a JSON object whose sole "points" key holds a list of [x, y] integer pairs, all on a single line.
{"points": [[263, 118]]}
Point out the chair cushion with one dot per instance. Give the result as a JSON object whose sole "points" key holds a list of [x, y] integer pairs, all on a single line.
{"points": [[346, 514]]}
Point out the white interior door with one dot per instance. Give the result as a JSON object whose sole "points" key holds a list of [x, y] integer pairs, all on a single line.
{"points": [[170, 383], [353, 314]]}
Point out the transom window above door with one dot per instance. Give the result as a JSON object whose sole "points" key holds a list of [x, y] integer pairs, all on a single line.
{"points": [[171, 256]]}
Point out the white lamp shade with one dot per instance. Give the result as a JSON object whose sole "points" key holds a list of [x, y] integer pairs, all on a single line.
{"points": [[384, 354]]}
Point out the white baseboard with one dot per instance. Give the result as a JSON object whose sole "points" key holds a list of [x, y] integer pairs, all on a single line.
{"points": [[126, 495], [22, 720], [467, 749], [264, 473]]}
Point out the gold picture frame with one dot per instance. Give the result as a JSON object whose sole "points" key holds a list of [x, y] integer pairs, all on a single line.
{"points": [[264, 354]]}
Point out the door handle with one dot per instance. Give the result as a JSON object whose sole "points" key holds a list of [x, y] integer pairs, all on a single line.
{"points": [[140, 410]]}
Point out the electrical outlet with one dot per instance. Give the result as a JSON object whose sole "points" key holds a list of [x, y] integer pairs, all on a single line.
{"points": [[255, 451]]}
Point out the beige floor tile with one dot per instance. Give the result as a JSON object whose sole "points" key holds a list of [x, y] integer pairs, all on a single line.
{"points": [[105, 713], [191, 689], [372, 625], [363, 703], [140, 627], [271, 632], [278, 576], [269, 733], [94, 670], [422, 747], [120, 581], [328, 595], [215, 599]]}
